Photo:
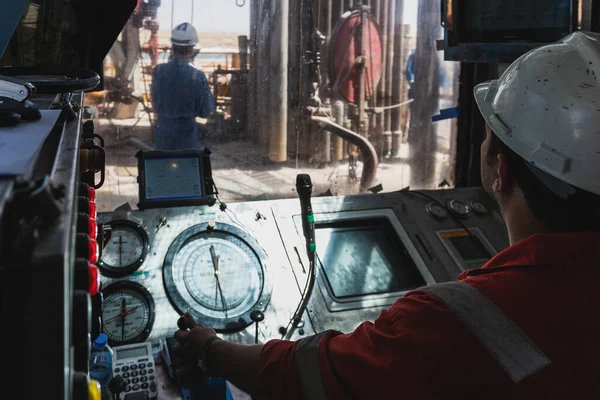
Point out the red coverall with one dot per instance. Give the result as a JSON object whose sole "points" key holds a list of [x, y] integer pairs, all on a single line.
{"points": [[418, 349]]}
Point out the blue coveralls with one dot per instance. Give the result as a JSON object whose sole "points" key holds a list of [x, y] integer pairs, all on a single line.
{"points": [[180, 93]]}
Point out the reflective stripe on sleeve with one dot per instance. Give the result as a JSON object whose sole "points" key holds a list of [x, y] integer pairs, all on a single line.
{"points": [[307, 363], [504, 340]]}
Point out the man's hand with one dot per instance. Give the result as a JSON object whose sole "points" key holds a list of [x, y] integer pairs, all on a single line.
{"points": [[192, 336]]}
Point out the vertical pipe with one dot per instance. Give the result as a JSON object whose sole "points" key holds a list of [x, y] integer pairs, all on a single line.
{"points": [[389, 68], [251, 115], [262, 74], [339, 105], [192, 20], [326, 21], [383, 18], [243, 45], [398, 78], [360, 88], [373, 119], [172, 14], [279, 78], [423, 146]]}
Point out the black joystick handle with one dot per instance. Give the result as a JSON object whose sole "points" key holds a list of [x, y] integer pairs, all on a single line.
{"points": [[181, 324], [257, 316], [117, 386]]}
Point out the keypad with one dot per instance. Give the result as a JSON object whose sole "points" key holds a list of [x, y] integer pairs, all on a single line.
{"points": [[138, 376]]}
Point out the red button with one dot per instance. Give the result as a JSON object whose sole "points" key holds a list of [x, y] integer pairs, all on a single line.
{"points": [[94, 284], [93, 228], [92, 210], [94, 251], [92, 194]]}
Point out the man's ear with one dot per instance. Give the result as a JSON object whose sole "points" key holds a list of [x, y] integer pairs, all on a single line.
{"points": [[504, 178]]}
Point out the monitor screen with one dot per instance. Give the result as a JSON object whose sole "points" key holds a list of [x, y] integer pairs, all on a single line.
{"points": [[533, 21], [173, 178], [469, 247], [362, 257]]}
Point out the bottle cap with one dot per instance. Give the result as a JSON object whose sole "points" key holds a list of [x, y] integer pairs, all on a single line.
{"points": [[100, 341]]}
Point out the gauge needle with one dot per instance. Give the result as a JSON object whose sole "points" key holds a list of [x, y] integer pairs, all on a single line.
{"points": [[123, 312], [215, 261], [120, 250]]}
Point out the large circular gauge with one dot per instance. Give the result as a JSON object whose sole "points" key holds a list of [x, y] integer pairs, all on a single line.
{"points": [[218, 274], [459, 208], [126, 250], [128, 313]]}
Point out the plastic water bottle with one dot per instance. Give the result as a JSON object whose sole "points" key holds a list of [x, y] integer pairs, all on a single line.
{"points": [[101, 368]]}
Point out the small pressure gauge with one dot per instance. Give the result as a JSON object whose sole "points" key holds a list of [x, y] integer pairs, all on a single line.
{"points": [[459, 208], [478, 207], [436, 210]]}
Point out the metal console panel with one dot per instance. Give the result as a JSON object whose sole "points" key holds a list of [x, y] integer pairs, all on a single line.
{"points": [[277, 228]]}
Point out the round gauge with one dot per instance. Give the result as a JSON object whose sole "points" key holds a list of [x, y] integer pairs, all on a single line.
{"points": [[436, 210], [127, 313], [459, 208], [478, 207], [218, 275], [125, 251]]}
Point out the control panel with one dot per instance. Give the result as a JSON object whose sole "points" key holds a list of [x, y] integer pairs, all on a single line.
{"points": [[228, 266]]}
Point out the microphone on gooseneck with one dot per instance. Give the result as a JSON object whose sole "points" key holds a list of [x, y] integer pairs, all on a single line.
{"points": [[304, 189]]}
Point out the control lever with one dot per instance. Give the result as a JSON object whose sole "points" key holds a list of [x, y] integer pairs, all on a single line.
{"points": [[304, 190], [117, 386], [257, 316]]}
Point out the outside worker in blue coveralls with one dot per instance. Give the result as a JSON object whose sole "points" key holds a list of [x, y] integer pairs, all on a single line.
{"points": [[180, 93]]}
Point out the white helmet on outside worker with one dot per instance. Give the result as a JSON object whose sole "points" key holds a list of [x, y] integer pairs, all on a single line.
{"points": [[184, 35], [546, 108]]}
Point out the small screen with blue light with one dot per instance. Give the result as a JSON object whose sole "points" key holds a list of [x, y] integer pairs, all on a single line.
{"points": [[173, 178]]}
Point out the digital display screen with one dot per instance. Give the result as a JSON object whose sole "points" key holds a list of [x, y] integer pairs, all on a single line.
{"points": [[132, 352], [364, 257], [540, 21], [173, 178], [469, 248]]}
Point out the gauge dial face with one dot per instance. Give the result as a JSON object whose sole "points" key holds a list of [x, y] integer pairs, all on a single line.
{"points": [[217, 275], [478, 207], [126, 249], [128, 313], [459, 208], [436, 210]]}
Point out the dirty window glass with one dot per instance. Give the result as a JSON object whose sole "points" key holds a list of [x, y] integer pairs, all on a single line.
{"points": [[349, 93]]}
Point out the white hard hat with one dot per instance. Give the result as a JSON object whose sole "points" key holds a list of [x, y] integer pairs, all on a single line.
{"points": [[184, 35], [546, 108]]}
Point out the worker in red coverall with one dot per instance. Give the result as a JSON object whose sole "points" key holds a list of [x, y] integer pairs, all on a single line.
{"points": [[524, 326]]}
